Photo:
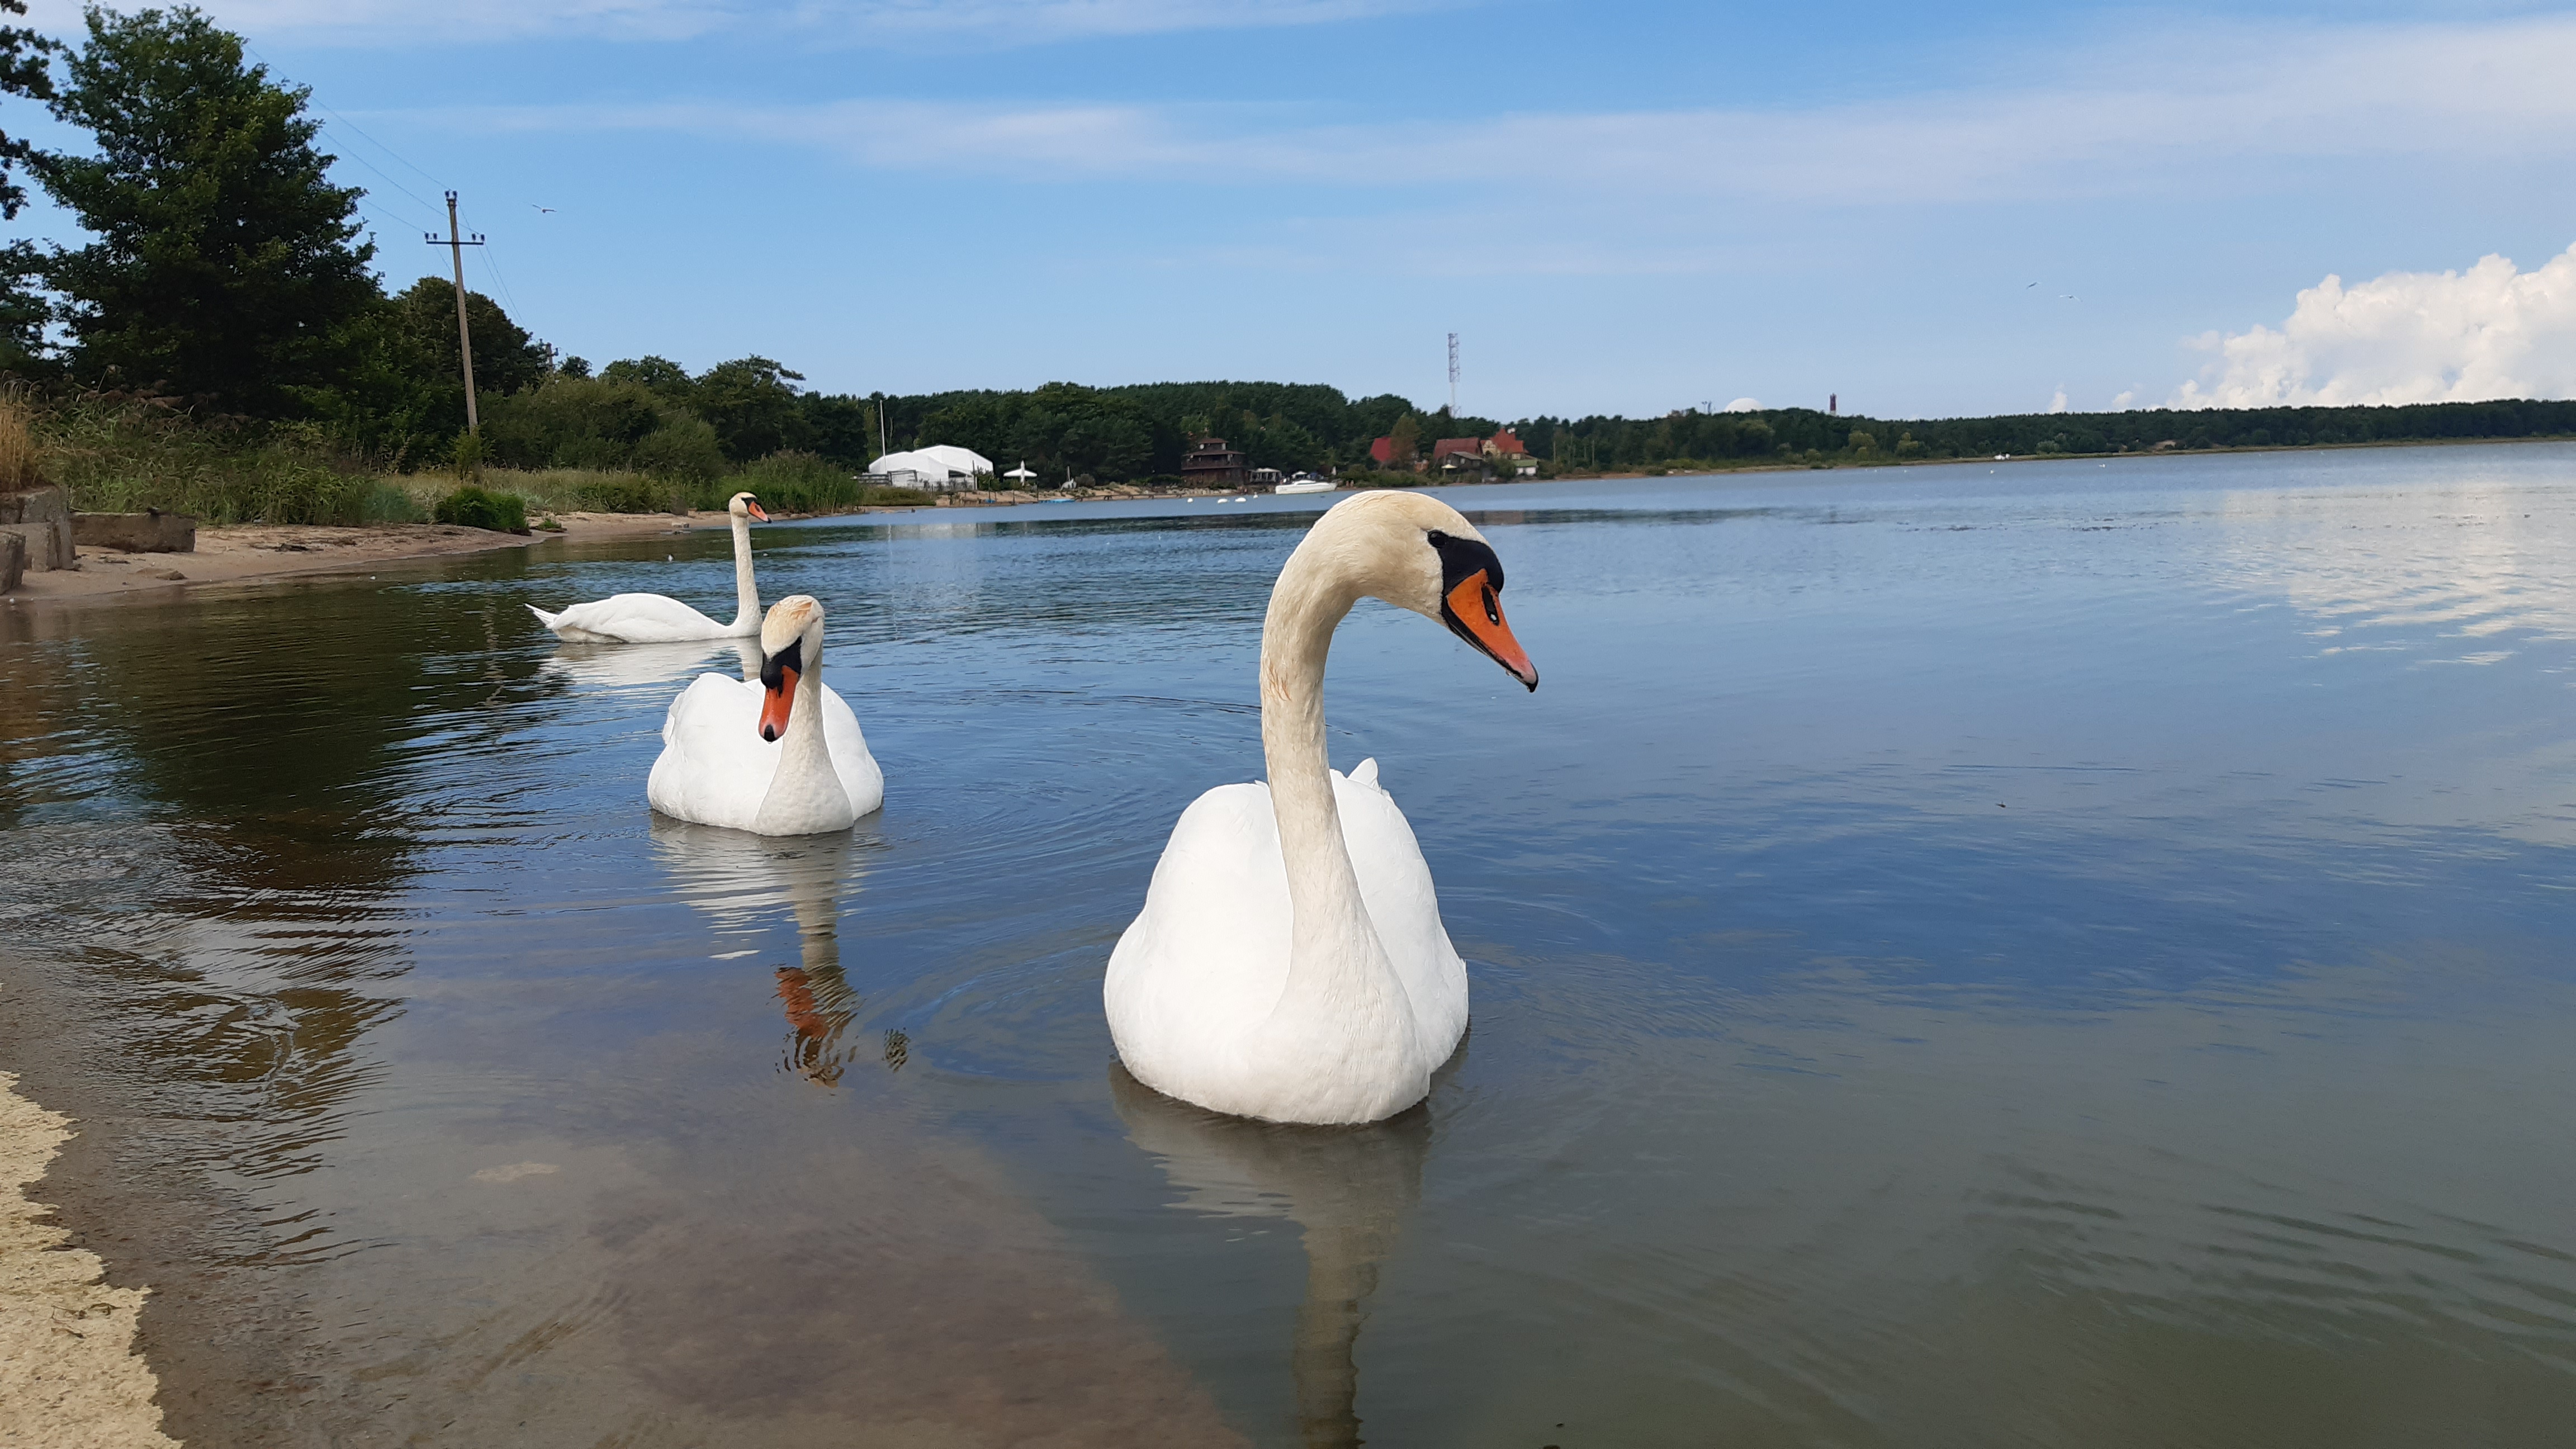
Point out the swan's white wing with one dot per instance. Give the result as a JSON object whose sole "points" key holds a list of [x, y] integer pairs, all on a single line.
{"points": [[636, 619], [1204, 961], [1395, 884], [715, 768], [850, 758]]}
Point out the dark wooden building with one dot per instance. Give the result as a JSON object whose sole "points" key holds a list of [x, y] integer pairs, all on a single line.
{"points": [[1211, 464]]}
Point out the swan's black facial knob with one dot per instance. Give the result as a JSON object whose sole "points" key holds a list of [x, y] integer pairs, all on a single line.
{"points": [[1471, 583]]}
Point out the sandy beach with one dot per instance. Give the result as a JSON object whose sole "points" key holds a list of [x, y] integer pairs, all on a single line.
{"points": [[254, 551], [70, 1377]]}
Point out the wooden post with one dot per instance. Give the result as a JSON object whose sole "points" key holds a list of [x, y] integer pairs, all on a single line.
{"points": [[456, 242], [464, 331]]}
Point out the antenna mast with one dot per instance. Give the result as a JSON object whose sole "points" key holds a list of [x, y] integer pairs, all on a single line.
{"points": [[1453, 374]]}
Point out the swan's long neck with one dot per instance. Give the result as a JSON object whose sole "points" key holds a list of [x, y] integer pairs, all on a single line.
{"points": [[804, 760], [1335, 965], [746, 613]]}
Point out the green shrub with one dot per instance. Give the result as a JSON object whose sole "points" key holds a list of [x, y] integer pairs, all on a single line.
{"points": [[684, 450], [386, 503], [123, 455], [630, 493], [789, 482], [472, 507]]}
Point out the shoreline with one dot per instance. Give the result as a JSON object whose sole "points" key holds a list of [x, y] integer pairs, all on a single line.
{"points": [[257, 552], [118, 1216], [70, 1369]]}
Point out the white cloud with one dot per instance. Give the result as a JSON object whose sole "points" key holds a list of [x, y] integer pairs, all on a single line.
{"points": [[987, 22], [2140, 121], [2492, 331], [1740, 405], [2057, 404], [2123, 402]]}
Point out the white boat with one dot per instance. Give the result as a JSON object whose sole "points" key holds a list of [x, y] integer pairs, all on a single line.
{"points": [[1305, 483]]}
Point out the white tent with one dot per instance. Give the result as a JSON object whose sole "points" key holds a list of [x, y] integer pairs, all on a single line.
{"points": [[939, 466]]}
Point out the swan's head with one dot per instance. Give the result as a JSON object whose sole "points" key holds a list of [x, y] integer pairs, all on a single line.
{"points": [[746, 506], [1419, 553], [791, 640]]}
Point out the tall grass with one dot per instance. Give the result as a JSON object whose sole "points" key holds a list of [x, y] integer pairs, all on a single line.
{"points": [[802, 483], [122, 455], [17, 441]]}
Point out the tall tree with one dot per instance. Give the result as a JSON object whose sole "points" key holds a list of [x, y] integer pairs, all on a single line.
{"points": [[755, 409], [227, 265], [506, 358], [23, 309]]}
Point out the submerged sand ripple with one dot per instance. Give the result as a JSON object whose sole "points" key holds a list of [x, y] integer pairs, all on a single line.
{"points": [[69, 1376]]}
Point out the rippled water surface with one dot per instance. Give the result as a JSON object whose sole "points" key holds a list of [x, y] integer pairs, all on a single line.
{"points": [[2060, 955]]}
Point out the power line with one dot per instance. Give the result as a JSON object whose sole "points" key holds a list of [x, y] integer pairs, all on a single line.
{"points": [[493, 265], [396, 185], [353, 127]]}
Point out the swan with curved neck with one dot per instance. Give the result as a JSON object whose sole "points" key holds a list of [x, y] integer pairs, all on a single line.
{"points": [[659, 619], [1290, 963], [779, 756]]}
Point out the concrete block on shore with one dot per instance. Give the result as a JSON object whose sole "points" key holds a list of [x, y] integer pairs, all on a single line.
{"points": [[151, 531], [13, 561], [43, 517]]}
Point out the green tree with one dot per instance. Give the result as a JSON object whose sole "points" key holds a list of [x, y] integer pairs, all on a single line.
{"points": [[506, 358], [226, 265], [22, 73], [23, 308], [1404, 440], [668, 379], [754, 411]]}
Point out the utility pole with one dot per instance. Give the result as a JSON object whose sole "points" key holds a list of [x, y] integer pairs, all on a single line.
{"points": [[1453, 374], [456, 244]]}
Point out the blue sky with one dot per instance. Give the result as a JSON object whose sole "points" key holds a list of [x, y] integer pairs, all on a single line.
{"points": [[1618, 207]]}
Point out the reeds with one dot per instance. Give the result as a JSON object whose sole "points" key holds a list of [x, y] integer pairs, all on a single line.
{"points": [[17, 441], [122, 455]]}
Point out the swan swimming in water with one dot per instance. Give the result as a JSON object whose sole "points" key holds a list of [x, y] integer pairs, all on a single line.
{"points": [[659, 619], [782, 756], [1289, 963]]}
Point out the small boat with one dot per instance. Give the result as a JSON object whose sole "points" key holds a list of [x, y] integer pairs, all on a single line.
{"points": [[1305, 483]]}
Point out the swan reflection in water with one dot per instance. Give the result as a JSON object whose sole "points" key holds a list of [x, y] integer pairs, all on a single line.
{"points": [[1349, 1188], [596, 667], [741, 880]]}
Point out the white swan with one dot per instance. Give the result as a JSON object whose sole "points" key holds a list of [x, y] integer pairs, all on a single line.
{"points": [[1289, 963], [783, 756], [658, 619]]}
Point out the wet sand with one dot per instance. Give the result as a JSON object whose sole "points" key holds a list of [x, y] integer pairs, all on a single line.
{"points": [[254, 551], [967, 1320], [69, 1376]]}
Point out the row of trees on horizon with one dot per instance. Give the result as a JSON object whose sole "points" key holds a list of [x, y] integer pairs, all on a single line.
{"points": [[226, 274]]}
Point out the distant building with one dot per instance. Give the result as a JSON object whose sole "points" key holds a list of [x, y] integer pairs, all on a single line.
{"points": [[1211, 464], [940, 467], [1382, 451], [1504, 451], [1451, 454], [1267, 477]]}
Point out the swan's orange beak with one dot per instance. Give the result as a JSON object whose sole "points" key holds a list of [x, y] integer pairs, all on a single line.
{"points": [[1474, 612], [776, 700], [752, 507]]}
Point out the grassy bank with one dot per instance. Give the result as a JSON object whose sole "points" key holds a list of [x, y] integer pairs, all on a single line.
{"points": [[123, 455]]}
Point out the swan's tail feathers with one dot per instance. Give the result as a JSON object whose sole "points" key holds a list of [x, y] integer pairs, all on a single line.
{"points": [[1365, 773], [551, 621]]}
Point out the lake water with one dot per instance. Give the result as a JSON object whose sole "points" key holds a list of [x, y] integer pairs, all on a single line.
{"points": [[2057, 954]]}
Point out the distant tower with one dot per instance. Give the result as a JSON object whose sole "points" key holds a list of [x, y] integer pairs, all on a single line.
{"points": [[1833, 403], [1453, 374]]}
